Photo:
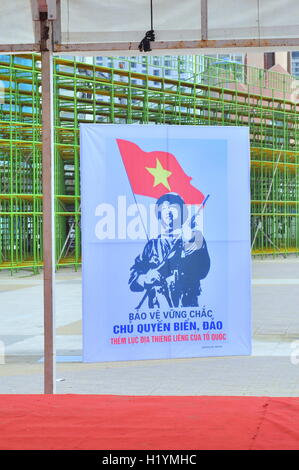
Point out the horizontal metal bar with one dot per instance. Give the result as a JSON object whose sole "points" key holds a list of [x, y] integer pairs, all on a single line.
{"points": [[13, 48], [158, 45], [176, 45]]}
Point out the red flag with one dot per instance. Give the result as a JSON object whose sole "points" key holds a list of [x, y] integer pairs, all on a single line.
{"points": [[156, 173]]}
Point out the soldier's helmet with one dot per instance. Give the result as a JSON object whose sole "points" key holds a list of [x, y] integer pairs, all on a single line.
{"points": [[173, 199]]}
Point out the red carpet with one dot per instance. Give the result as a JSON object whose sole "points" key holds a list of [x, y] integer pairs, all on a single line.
{"points": [[148, 423]]}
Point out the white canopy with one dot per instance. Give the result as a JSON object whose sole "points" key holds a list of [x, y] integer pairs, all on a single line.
{"points": [[189, 26]]}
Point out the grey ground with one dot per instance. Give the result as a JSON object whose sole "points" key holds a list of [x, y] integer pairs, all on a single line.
{"points": [[272, 370]]}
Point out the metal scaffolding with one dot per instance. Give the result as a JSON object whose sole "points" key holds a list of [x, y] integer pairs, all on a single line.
{"points": [[188, 90]]}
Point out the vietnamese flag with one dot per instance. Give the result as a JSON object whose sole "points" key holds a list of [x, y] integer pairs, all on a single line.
{"points": [[156, 173]]}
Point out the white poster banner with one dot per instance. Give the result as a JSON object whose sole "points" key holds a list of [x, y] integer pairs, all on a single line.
{"points": [[166, 241]]}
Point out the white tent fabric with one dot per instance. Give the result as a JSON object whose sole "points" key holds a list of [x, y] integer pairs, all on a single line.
{"points": [[16, 25], [272, 24], [177, 20]]}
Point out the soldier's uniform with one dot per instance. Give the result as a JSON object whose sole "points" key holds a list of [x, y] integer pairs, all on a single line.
{"points": [[181, 264]]}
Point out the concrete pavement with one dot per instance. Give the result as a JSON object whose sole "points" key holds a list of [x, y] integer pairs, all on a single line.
{"points": [[272, 370]]}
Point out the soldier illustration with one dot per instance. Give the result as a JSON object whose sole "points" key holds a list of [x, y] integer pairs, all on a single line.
{"points": [[172, 265]]}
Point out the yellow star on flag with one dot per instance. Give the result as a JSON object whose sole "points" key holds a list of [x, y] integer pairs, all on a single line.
{"points": [[160, 174]]}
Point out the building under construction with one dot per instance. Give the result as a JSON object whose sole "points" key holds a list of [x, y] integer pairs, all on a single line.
{"points": [[195, 91]]}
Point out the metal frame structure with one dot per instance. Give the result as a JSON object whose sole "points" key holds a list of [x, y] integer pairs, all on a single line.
{"points": [[205, 91]]}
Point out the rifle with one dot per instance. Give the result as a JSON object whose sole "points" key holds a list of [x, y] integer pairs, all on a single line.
{"points": [[164, 284]]}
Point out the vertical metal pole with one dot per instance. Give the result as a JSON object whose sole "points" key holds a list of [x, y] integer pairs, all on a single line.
{"points": [[204, 20], [48, 205]]}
